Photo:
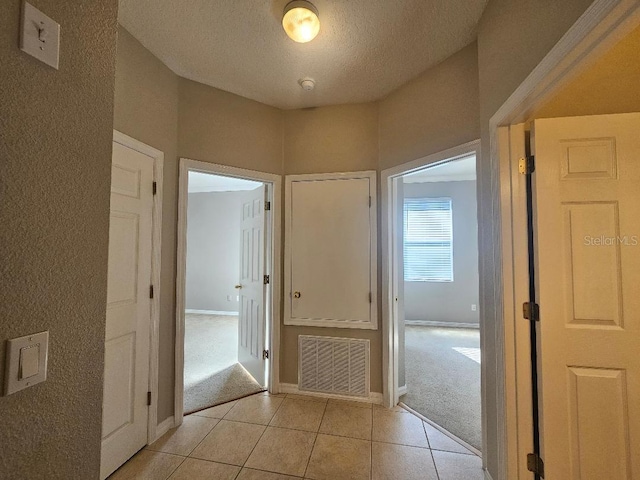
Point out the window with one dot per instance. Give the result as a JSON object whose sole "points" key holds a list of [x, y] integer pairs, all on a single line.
{"points": [[428, 240]]}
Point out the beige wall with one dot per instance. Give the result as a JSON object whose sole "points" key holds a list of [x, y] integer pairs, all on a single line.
{"points": [[609, 85], [146, 108], [220, 127], [55, 167], [339, 138], [513, 37], [438, 110]]}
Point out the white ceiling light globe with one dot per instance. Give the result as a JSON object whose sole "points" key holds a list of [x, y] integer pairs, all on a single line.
{"points": [[300, 21]]}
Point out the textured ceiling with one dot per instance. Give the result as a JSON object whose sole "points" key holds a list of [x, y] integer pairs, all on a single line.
{"points": [[365, 49]]}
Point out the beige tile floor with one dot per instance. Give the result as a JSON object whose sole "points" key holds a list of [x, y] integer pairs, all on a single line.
{"points": [[277, 437]]}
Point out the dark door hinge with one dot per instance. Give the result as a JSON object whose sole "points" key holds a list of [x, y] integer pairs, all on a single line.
{"points": [[535, 464], [370, 298], [266, 280], [265, 354], [148, 398], [369, 200], [267, 206], [531, 311], [527, 165], [150, 291], [155, 187]]}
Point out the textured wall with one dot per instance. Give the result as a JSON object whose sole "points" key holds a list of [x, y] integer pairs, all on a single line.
{"points": [[449, 301], [331, 139], [213, 250], [609, 85], [55, 166], [146, 108], [439, 109], [223, 128], [513, 37]]}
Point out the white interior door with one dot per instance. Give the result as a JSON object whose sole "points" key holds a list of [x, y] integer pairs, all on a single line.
{"points": [[588, 224], [126, 371], [251, 321]]}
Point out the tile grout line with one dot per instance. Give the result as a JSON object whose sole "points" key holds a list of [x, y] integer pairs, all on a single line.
{"points": [[205, 436], [263, 432], [248, 423], [324, 411], [177, 467], [433, 459]]}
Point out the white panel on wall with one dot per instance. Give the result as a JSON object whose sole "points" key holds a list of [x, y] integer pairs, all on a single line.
{"points": [[330, 261]]}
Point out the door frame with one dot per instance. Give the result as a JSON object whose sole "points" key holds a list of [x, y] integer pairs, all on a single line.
{"points": [[601, 26], [390, 280], [153, 432], [273, 262]]}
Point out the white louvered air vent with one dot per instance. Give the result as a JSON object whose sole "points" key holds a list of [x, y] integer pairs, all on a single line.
{"points": [[333, 365]]}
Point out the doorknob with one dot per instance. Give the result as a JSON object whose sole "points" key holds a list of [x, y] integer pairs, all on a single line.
{"points": [[238, 287], [296, 294]]}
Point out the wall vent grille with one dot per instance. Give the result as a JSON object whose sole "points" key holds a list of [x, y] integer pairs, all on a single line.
{"points": [[333, 365]]}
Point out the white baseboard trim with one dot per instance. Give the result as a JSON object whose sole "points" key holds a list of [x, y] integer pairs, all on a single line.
{"points": [[374, 397], [429, 323], [211, 312], [402, 390], [163, 427]]}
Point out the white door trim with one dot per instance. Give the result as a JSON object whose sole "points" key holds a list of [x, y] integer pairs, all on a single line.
{"points": [[390, 362], [156, 248], [273, 322], [603, 24]]}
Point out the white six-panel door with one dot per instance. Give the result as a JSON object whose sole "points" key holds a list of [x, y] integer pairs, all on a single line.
{"points": [[251, 321], [587, 193], [126, 373]]}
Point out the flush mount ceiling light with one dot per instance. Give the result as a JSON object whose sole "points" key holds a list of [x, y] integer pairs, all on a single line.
{"points": [[300, 21]]}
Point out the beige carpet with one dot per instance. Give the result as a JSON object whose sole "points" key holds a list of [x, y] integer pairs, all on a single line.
{"points": [[212, 374], [443, 378]]}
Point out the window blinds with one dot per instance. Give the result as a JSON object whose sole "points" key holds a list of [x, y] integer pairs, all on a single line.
{"points": [[428, 240]]}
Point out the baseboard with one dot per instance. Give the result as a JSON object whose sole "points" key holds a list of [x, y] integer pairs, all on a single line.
{"points": [[211, 312], [429, 323], [374, 397], [163, 427], [402, 390]]}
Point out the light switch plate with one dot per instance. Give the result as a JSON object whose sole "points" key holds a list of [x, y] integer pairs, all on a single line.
{"points": [[40, 35], [24, 345]]}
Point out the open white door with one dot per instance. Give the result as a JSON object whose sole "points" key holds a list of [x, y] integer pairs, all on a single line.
{"points": [[252, 285], [126, 371], [588, 225]]}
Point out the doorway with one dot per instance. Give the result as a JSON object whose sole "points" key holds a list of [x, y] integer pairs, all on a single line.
{"points": [[565, 161], [226, 284], [431, 301], [217, 254], [440, 362]]}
